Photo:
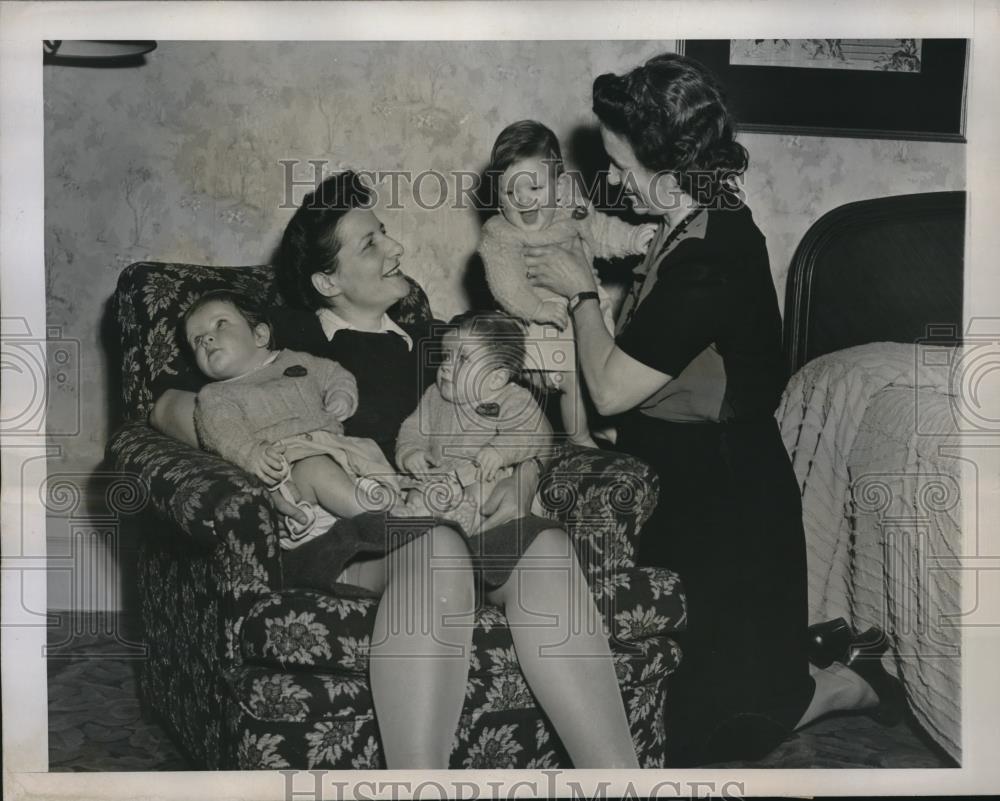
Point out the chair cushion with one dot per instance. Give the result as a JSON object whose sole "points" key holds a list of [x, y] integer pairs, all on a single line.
{"points": [[297, 628], [275, 694]]}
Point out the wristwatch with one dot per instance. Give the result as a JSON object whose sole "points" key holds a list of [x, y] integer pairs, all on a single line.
{"points": [[579, 298]]}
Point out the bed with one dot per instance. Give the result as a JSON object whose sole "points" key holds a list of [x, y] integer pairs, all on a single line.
{"points": [[873, 315]]}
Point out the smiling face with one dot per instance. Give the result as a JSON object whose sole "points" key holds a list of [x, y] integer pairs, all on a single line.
{"points": [[650, 193], [530, 193], [366, 277], [224, 344], [470, 373]]}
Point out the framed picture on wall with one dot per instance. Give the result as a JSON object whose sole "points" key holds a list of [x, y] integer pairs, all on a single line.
{"points": [[864, 88]]}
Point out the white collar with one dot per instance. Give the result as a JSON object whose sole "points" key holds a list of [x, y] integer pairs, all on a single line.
{"points": [[274, 355], [333, 322]]}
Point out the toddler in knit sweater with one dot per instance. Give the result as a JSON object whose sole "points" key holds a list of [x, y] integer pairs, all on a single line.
{"points": [[538, 207], [279, 414], [474, 425]]}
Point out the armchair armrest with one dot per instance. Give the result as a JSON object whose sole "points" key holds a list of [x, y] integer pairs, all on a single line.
{"points": [[191, 488], [603, 498]]}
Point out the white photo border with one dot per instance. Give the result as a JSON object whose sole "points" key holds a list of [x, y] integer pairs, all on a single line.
{"points": [[24, 25]]}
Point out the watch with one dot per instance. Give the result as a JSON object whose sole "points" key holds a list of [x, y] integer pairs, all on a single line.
{"points": [[578, 298]]}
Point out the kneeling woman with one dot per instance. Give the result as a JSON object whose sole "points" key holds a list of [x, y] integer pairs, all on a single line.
{"points": [[338, 265]]}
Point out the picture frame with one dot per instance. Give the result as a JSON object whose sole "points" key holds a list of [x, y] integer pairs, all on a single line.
{"points": [[929, 104]]}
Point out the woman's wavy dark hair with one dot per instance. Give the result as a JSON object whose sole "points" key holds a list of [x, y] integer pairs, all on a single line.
{"points": [[309, 244], [673, 114]]}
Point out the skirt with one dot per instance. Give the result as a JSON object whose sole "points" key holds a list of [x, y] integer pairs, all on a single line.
{"points": [[494, 553], [729, 521]]}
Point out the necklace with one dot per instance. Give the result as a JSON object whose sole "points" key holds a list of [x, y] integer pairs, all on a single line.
{"points": [[678, 229], [640, 276]]}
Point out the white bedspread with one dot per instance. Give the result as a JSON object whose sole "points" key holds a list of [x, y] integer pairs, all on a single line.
{"points": [[872, 439]]}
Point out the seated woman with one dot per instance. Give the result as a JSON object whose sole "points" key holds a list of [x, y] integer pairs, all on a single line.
{"points": [[341, 270]]}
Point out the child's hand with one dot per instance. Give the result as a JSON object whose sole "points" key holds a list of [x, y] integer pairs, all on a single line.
{"points": [[552, 310], [268, 462], [643, 237], [418, 463], [490, 460]]}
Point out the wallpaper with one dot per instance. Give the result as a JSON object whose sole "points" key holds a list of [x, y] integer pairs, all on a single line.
{"points": [[181, 160]]}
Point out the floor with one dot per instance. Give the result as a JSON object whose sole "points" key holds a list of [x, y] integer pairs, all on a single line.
{"points": [[95, 722]]}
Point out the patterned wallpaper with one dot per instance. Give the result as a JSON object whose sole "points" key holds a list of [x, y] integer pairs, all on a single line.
{"points": [[180, 160]]}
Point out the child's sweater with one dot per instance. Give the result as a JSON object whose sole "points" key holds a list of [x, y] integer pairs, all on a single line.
{"points": [[513, 423], [501, 247], [294, 393], [453, 434]]}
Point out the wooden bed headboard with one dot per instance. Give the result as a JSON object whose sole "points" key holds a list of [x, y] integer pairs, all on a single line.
{"points": [[889, 269]]}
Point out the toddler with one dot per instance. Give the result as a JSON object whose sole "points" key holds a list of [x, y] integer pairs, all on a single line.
{"points": [[271, 411], [474, 425], [538, 207]]}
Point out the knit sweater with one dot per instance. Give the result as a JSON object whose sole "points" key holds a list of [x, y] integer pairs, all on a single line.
{"points": [[453, 433], [294, 393], [391, 377], [501, 247]]}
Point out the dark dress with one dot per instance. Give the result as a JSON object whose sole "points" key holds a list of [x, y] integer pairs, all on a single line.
{"points": [[703, 310], [391, 378]]}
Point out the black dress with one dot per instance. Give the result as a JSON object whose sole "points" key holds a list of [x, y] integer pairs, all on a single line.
{"points": [[392, 376], [703, 310]]}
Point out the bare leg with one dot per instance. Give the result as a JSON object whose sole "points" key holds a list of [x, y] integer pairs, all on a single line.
{"points": [[574, 412], [421, 645], [838, 689], [321, 480], [564, 653]]}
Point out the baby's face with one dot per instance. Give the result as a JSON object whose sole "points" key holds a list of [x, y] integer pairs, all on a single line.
{"points": [[224, 344], [469, 373], [530, 193]]}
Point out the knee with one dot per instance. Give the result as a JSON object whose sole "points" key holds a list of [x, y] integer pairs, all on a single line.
{"points": [[447, 558], [552, 543], [450, 568], [445, 542]]}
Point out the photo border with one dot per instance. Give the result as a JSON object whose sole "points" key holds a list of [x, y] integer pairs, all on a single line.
{"points": [[24, 25]]}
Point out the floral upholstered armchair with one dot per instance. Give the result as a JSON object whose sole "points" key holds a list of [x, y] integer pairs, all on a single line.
{"points": [[246, 672]]}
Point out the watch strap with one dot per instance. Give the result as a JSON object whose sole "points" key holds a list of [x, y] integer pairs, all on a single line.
{"points": [[579, 298]]}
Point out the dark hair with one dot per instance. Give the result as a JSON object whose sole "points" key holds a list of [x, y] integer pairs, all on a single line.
{"points": [[522, 140], [525, 139], [309, 244], [248, 309], [502, 334], [673, 114]]}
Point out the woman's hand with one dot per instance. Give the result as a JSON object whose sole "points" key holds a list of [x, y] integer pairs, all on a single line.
{"points": [[563, 270], [512, 496]]}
